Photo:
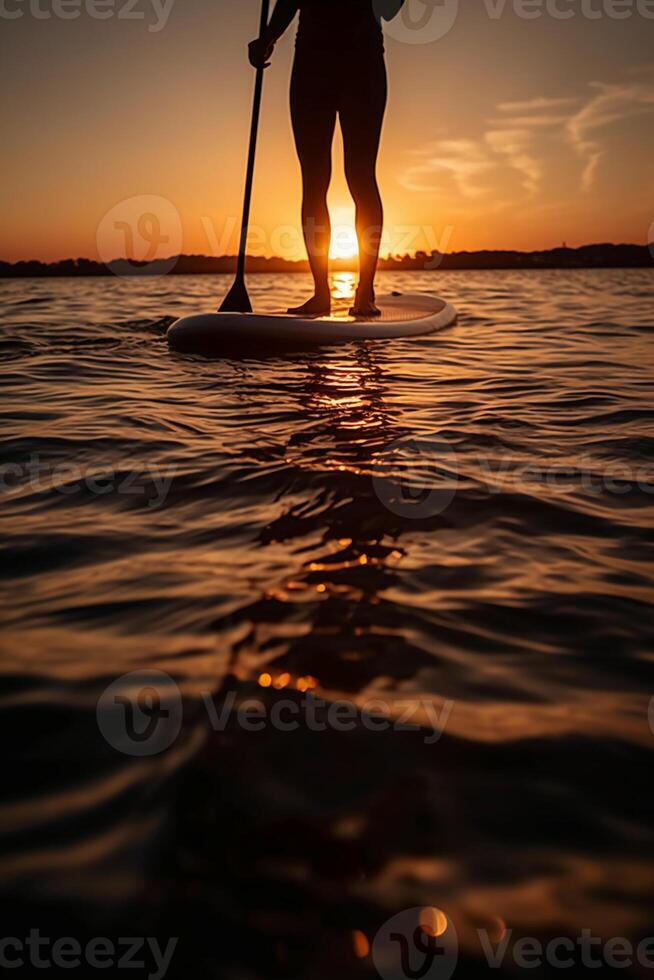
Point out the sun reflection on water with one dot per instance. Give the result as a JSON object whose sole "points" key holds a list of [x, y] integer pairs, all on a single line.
{"points": [[343, 285]]}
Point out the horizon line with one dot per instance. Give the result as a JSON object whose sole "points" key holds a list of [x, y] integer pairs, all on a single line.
{"points": [[416, 255]]}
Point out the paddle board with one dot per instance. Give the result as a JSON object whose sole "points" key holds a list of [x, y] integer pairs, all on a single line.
{"points": [[402, 315]]}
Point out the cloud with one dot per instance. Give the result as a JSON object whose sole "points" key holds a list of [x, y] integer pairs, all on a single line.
{"points": [[609, 104], [469, 163], [532, 121], [463, 160], [535, 113], [535, 105], [520, 137], [514, 145]]}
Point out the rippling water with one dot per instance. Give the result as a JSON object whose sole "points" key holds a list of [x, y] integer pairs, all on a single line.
{"points": [[456, 528]]}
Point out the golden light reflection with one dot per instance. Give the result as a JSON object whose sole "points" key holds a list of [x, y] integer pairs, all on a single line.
{"points": [[339, 566], [306, 683], [360, 944], [433, 921], [280, 681], [343, 285], [497, 929]]}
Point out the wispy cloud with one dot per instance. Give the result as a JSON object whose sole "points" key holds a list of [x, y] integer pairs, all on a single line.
{"points": [[536, 114], [470, 162], [536, 105], [610, 103], [533, 121], [464, 161], [520, 136], [514, 145]]}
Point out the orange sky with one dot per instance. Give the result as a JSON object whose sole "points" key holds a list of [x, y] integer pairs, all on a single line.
{"points": [[505, 132]]}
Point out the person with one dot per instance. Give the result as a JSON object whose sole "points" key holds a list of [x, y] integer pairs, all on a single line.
{"points": [[338, 71]]}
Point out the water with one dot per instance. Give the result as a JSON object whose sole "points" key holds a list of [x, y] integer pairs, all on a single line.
{"points": [[457, 528]]}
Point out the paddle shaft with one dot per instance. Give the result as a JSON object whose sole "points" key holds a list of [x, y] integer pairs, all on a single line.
{"points": [[249, 174]]}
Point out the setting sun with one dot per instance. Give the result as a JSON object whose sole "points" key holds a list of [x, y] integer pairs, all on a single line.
{"points": [[344, 238]]}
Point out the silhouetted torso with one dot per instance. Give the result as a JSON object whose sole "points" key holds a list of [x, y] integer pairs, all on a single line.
{"points": [[339, 25]]}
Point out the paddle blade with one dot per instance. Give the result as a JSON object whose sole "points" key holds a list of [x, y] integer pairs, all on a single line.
{"points": [[237, 299]]}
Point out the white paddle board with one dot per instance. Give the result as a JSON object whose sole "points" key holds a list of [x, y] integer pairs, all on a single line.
{"points": [[402, 315]]}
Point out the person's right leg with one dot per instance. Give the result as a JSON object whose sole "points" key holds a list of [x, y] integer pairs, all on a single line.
{"points": [[313, 114], [362, 106]]}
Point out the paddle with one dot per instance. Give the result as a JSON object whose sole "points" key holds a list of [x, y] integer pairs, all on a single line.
{"points": [[237, 299]]}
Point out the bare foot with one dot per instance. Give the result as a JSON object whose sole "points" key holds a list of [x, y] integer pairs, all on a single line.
{"points": [[316, 306], [364, 305]]}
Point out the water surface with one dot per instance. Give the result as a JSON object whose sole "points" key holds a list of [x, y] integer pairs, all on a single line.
{"points": [[461, 523]]}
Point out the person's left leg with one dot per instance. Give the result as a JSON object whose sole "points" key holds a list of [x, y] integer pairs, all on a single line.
{"points": [[361, 114], [313, 114]]}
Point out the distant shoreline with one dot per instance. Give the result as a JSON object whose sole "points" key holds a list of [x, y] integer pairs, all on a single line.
{"points": [[602, 256]]}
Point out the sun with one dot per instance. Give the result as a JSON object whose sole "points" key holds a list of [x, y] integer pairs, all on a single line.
{"points": [[344, 243]]}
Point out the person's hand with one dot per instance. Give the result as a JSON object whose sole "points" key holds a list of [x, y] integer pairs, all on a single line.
{"points": [[259, 51]]}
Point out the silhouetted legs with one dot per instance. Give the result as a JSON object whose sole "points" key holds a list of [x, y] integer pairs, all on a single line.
{"points": [[355, 89]]}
